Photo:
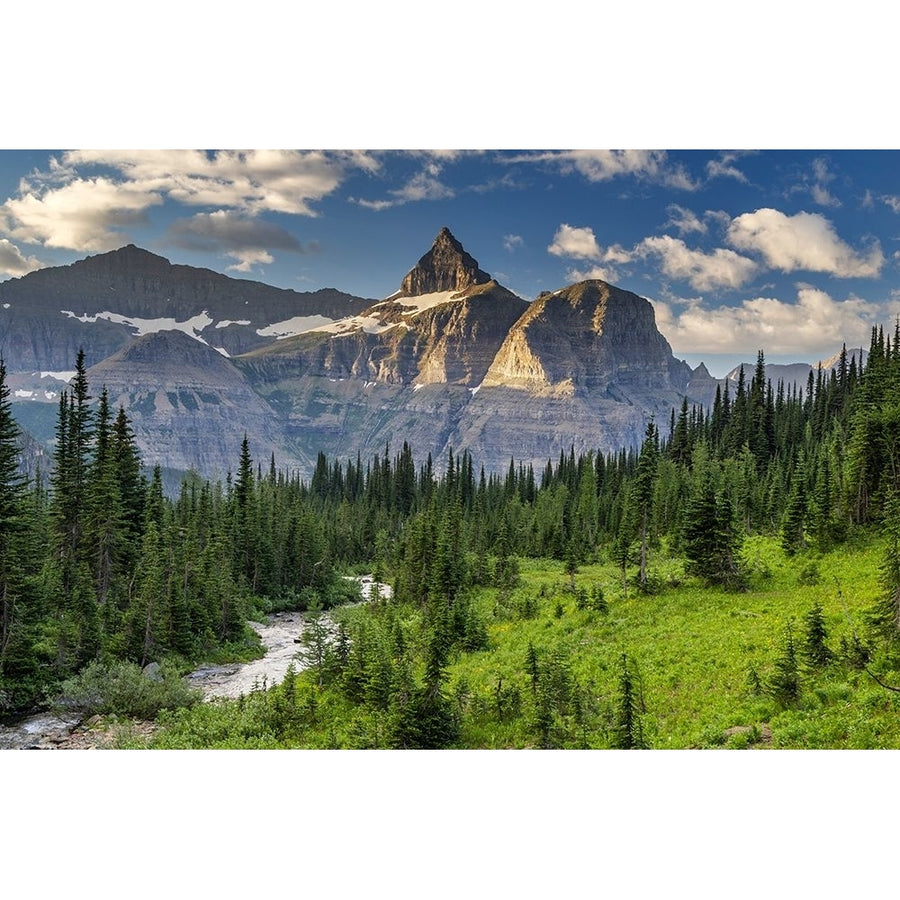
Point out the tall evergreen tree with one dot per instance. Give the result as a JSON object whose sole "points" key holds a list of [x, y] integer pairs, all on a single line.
{"points": [[642, 494], [11, 519]]}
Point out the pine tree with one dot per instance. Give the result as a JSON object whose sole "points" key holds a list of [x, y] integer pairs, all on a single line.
{"points": [[105, 520], [628, 733], [711, 540], [886, 615], [793, 527], [815, 650], [11, 518], [784, 685], [642, 494]]}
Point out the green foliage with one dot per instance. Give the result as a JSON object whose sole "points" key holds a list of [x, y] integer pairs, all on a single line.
{"points": [[784, 684], [628, 732], [815, 650], [123, 689], [711, 540]]}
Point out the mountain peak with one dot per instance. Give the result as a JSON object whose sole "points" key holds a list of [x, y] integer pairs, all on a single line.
{"points": [[128, 258], [445, 267]]}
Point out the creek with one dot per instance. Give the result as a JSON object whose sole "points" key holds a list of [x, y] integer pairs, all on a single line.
{"points": [[279, 635]]}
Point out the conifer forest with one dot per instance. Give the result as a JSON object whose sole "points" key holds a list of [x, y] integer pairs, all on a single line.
{"points": [[734, 581]]}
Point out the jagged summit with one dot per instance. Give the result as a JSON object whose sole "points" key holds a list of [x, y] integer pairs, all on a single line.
{"points": [[445, 267]]}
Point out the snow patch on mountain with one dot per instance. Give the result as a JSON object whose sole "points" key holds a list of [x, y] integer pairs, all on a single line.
{"points": [[368, 324], [427, 301], [59, 376], [292, 327], [191, 327], [226, 322]]}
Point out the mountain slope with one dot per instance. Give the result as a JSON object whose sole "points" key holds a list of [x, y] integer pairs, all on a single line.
{"points": [[451, 360], [103, 302], [189, 406], [583, 366], [455, 360]]}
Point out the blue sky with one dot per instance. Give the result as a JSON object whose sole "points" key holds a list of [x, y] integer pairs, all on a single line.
{"points": [[789, 251]]}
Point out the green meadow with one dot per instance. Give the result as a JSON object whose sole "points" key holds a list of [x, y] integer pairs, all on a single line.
{"points": [[703, 665]]}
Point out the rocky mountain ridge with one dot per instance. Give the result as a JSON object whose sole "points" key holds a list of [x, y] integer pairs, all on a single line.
{"points": [[103, 302], [452, 360]]}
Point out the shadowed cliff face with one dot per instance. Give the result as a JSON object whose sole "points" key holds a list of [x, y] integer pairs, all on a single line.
{"points": [[477, 368], [47, 315], [189, 406], [584, 367]]}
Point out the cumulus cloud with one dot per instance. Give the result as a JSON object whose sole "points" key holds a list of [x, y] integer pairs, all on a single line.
{"points": [[85, 214], [575, 243], [13, 262], [244, 239], [512, 241], [891, 200], [285, 181], [805, 241], [604, 165], [64, 207], [721, 268], [604, 273], [814, 325], [703, 271]]}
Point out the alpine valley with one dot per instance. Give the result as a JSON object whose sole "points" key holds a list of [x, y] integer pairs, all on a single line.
{"points": [[451, 361]]}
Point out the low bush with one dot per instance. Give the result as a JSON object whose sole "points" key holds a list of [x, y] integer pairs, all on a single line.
{"points": [[124, 689]]}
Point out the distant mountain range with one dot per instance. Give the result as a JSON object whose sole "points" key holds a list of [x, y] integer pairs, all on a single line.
{"points": [[452, 360], [797, 374]]}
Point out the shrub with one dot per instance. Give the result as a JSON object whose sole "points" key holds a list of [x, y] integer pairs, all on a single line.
{"points": [[123, 689], [809, 574]]}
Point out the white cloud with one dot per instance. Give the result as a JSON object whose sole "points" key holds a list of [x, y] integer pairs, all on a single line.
{"points": [[604, 165], [703, 271], [424, 185], [63, 207], [575, 243], [822, 177], [612, 257], [604, 273], [891, 200], [723, 168], [815, 325], [823, 197], [684, 220], [14, 262], [805, 241], [81, 215], [512, 241], [286, 181]]}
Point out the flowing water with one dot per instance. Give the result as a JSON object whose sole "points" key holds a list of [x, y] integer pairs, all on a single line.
{"points": [[280, 636]]}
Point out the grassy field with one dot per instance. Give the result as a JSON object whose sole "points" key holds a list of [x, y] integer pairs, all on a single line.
{"points": [[695, 650], [702, 660]]}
